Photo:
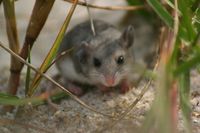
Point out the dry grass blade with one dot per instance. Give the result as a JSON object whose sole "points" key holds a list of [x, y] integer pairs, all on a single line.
{"points": [[174, 85], [39, 15], [28, 73], [36, 23], [24, 125], [52, 53], [9, 11], [54, 82], [131, 8]]}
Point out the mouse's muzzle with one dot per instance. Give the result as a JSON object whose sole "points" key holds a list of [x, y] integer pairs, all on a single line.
{"points": [[110, 80]]}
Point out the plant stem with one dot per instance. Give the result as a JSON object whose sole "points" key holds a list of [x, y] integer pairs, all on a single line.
{"points": [[11, 28], [36, 23]]}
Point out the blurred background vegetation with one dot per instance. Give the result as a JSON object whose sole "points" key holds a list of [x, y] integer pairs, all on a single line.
{"points": [[177, 24]]}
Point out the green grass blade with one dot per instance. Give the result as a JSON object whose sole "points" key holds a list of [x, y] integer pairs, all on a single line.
{"points": [[196, 19], [184, 84], [195, 5], [172, 6], [6, 99], [186, 66], [135, 2], [52, 53], [162, 12], [186, 19]]}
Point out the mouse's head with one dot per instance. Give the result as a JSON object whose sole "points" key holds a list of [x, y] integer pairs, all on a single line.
{"points": [[108, 63]]}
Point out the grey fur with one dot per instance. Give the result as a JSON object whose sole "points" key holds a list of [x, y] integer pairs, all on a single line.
{"points": [[107, 45]]}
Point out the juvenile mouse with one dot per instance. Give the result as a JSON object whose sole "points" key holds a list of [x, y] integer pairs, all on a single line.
{"points": [[104, 60]]}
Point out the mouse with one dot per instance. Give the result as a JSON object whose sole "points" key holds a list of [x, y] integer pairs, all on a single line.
{"points": [[104, 60]]}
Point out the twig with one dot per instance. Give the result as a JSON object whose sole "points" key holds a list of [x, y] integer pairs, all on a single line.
{"points": [[53, 81], [58, 58], [130, 8], [91, 19]]}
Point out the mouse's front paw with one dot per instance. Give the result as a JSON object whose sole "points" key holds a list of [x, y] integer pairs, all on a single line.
{"points": [[103, 88], [76, 90], [124, 87]]}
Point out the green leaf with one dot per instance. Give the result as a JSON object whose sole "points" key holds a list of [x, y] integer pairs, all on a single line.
{"points": [[162, 12], [52, 53], [7, 99], [186, 66], [184, 84], [195, 5], [135, 2], [186, 19], [196, 19], [148, 15]]}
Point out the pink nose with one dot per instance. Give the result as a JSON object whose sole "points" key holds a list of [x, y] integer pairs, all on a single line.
{"points": [[109, 80]]}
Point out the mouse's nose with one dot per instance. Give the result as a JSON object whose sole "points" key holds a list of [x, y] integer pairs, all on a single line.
{"points": [[110, 80]]}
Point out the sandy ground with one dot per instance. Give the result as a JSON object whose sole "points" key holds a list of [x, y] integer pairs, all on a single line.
{"points": [[71, 117]]}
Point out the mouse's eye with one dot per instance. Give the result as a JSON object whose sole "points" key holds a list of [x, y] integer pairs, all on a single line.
{"points": [[120, 60], [96, 62]]}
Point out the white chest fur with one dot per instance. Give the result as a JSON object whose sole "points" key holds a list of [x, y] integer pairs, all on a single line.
{"points": [[67, 70]]}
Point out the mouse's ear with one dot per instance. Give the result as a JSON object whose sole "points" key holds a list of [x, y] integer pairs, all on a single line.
{"points": [[127, 37], [83, 52]]}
